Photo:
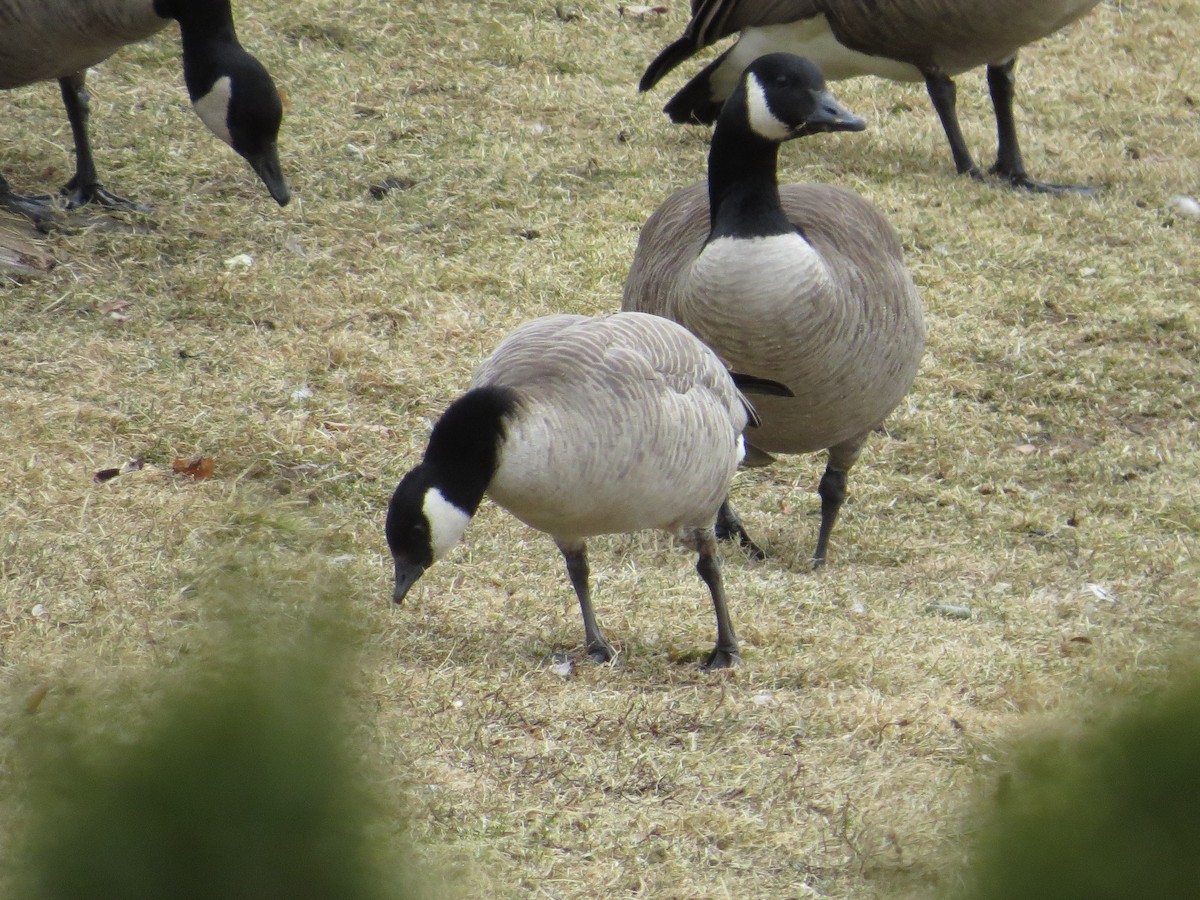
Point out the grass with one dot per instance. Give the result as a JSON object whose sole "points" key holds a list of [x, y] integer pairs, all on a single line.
{"points": [[1048, 445]]}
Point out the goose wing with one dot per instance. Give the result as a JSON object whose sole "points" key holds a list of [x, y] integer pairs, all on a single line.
{"points": [[713, 20]]}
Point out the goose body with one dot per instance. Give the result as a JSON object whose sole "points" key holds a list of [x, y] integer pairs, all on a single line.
{"points": [[232, 93], [902, 40], [801, 284], [828, 309], [582, 426], [42, 41]]}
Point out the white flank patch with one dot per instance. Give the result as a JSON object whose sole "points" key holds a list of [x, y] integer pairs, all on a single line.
{"points": [[811, 38], [741, 449], [762, 120], [446, 522], [213, 108]]}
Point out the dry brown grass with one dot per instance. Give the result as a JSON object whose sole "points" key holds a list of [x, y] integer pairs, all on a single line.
{"points": [[1049, 444]]}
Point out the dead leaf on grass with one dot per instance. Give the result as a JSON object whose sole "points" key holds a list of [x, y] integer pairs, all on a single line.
{"points": [[198, 467]]}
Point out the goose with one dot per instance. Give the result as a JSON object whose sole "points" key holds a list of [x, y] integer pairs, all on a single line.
{"points": [[583, 426], [902, 40], [230, 90], [803, 285]]}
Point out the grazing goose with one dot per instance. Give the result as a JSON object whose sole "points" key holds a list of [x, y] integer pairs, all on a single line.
{"points": [[59, 39], [803, 285], [904, 40], [581, 426]]}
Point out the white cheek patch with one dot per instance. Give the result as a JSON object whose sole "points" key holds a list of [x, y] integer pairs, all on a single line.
{"points": [[213, 108], [446, 522], [762, 120]]}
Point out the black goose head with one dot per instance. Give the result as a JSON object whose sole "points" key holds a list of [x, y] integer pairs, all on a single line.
{"points": [[230, 90], [783, 96], [433, 504]]}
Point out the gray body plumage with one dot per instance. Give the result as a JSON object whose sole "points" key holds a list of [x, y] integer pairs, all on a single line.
{"points": [[46, 39], [624, 423], [833, 315], [582, 426]]}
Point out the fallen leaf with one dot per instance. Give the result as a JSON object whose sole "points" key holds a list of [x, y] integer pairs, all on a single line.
{"points": [[198, 467]]}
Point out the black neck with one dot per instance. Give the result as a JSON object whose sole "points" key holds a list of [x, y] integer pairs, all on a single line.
{"points": [[743, 189], [464, 448], [207, 35]]}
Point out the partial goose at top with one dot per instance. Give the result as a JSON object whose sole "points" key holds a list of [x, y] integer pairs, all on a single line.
{"points": [[230, 90], [904, 40]]}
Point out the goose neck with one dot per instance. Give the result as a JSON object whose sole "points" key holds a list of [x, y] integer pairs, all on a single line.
{"points": [[743, 187], [464, 448]]}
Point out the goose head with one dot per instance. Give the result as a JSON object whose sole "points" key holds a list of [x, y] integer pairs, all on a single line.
{"points": [[782, 96], [422, 526], [431, 507], [230, 90]]}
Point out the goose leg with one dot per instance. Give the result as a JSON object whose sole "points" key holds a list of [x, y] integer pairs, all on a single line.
{"points": [[85, 186], [944, 94], [599, 649], [729, 527], [832, 490], [38, 210], [708, 566], [1010, 165]]}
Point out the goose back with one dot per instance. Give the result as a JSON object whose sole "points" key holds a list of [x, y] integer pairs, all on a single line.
{"points": [[831, 312], [623, 423], [46, 39]]}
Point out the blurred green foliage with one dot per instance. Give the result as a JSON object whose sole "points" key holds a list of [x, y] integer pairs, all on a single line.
{"points": [[1112, 812], [234, 775]]}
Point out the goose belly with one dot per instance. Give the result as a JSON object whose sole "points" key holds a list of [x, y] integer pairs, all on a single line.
{"points": [[768, 308], [605, 472], [46, 39]]}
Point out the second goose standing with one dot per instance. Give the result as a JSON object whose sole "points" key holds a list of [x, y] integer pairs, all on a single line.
{"points": [[804, 285]]}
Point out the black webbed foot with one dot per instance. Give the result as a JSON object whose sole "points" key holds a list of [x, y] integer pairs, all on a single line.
{"points": [[76, 195], [729, 527], [1022, 182], [601, 653], [722, 658]]}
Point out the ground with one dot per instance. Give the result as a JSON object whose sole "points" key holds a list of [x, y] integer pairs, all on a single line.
{"points": [[1019, 543]]}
